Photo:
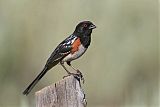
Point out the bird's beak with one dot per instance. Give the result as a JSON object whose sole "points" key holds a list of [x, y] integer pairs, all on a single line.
{"points": [[92, 26]]}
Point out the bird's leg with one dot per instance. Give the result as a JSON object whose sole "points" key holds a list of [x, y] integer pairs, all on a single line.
{"points": [[74, 68], [69, 73], [78, 74], [62, 64], [69, 63]]}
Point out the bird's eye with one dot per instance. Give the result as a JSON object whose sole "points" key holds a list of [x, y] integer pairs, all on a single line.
{"points": [[85, 25]]}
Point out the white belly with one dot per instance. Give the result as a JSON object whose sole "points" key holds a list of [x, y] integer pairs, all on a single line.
{"points": [[75, 55]]}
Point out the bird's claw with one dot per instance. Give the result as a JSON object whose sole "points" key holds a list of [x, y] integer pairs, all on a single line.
{"points": [[80, 76], [77, 75]]}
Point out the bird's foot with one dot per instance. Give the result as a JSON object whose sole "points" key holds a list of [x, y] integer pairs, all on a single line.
{"points": [[77, 75]]}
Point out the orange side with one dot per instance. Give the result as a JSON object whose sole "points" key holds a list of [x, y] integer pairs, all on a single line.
{"points": [[75, 45]]}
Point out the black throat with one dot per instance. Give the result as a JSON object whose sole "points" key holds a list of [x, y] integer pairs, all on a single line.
{"points": [[85, 38]]}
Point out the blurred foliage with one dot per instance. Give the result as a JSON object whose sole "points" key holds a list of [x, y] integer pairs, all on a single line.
{"points": [[120, 66]]}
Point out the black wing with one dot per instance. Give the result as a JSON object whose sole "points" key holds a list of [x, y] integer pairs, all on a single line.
{"points": [[62, 50], [59, 53]]}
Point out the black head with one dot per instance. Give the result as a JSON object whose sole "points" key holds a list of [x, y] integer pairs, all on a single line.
{"points": [[85, 28]]}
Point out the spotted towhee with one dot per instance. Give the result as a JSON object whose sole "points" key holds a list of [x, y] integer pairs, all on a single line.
{"points": [[70, 49]]}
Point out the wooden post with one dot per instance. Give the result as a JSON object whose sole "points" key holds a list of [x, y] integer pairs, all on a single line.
{"points": [[65, 93]]}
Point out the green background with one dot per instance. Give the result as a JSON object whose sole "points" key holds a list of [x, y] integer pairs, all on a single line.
{"points": [[120, 67]]}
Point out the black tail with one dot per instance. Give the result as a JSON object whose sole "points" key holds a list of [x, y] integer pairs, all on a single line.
{"points": [[30, 87]]}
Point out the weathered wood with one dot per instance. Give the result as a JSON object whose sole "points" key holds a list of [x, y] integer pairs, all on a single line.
{"points": [[65, 93]]}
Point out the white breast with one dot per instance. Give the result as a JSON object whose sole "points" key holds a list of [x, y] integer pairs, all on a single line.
{"points": [[75, 55]]}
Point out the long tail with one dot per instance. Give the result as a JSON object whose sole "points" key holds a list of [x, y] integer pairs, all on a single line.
{"points": [[30, 87]]}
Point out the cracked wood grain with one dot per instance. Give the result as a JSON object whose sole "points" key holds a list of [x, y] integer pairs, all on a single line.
{"points": [[65, 93]]}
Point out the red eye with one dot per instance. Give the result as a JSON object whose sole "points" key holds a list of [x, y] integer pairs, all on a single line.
{"points": [[85, 25]]}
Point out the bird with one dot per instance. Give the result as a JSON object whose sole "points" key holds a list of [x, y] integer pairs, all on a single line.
{"points": [[71, 48]]}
